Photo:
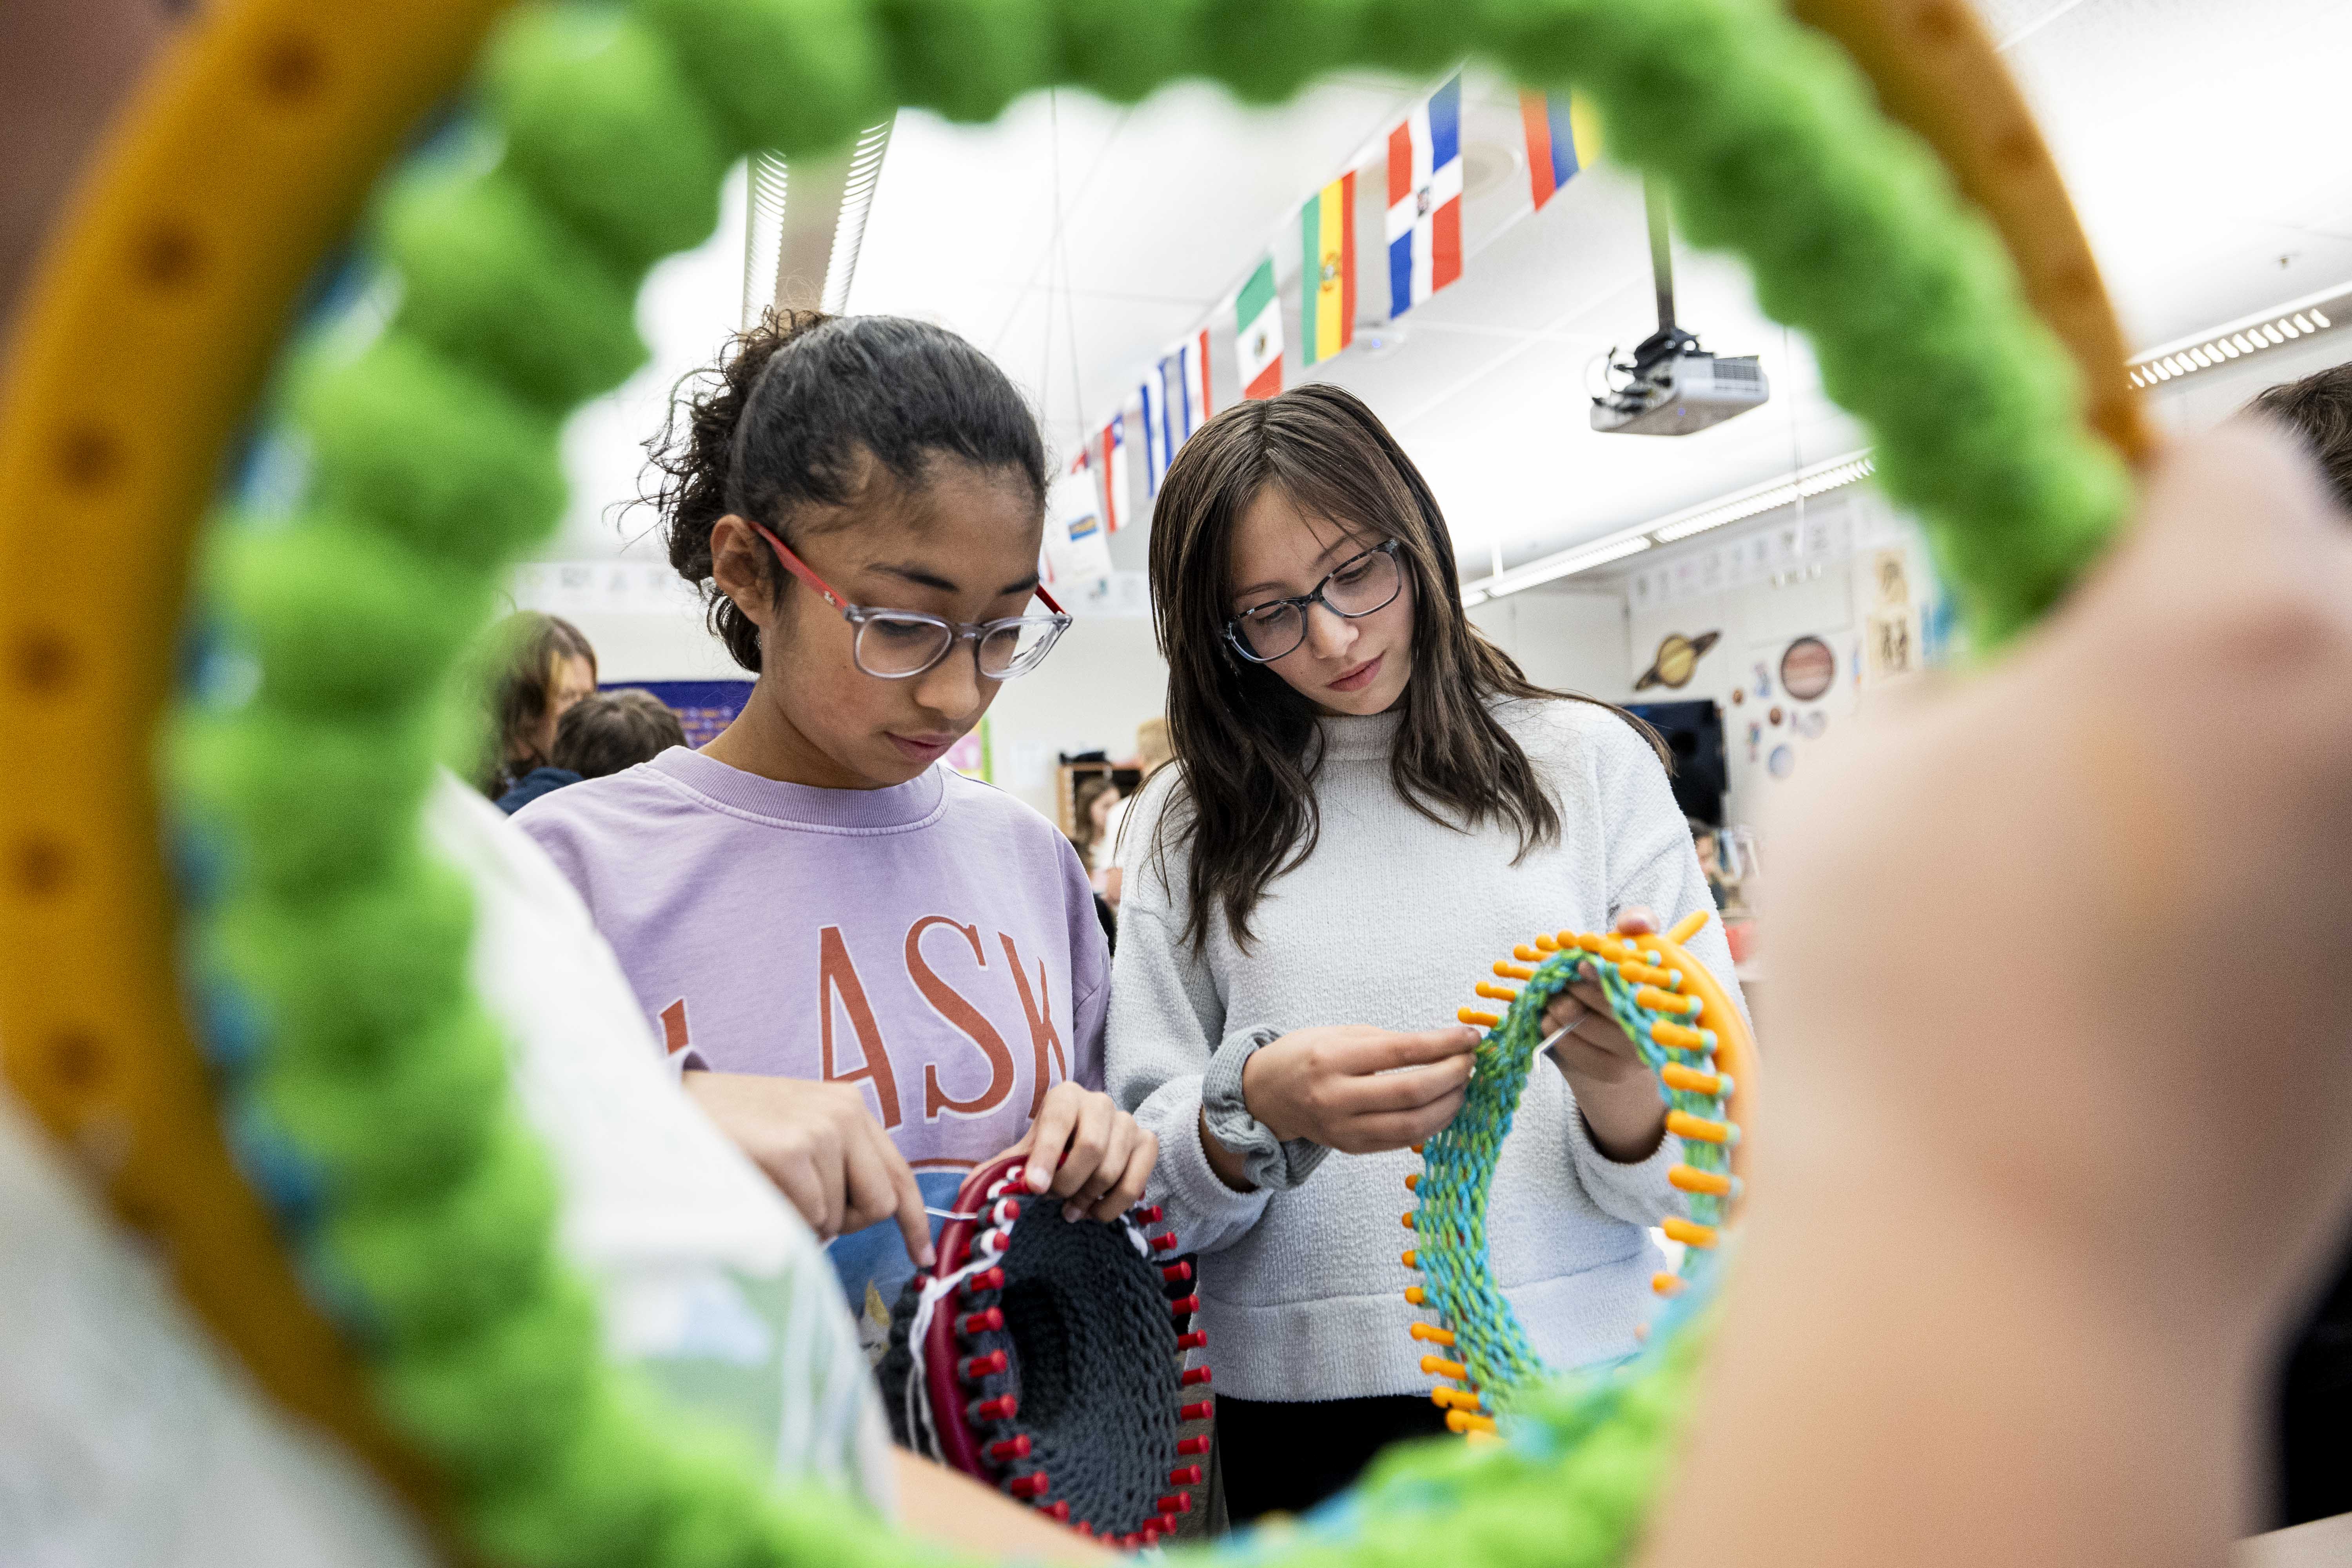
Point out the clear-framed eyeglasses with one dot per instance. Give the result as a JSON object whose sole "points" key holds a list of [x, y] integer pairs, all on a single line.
{"points": [[1354, 588], [898, 645]]}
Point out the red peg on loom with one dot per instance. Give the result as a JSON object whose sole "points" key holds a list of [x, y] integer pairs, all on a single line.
{"points": [[1177, 1273], [1003, 1407], [1006, 1449], [1177, 1502], [1005, 1213], [1192, 1376], [979, 1284], [1199, 1444], [1084, 1527], [1194, 1341], [1165, 1242], [1185, 1475], [1184, 1305], [976, 1367], [1149, 1216], [981, 1323], [1199, 1412], [1058, 1510], [1032, 1485]]}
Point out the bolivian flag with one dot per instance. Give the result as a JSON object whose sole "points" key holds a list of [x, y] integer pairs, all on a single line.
{"points": [[1327, 224]]}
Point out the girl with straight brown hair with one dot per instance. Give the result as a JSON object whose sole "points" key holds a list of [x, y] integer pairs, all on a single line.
{"points": [[1371, 804]]}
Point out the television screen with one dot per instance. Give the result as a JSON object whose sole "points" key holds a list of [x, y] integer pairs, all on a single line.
{"points": [[1693, 735]]}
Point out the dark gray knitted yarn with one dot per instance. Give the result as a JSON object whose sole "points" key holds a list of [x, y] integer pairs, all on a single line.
{"points": [[1090, 1346]]}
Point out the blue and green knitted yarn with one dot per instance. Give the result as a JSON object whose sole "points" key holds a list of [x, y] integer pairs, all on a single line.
{"points": [[1458, 1170]]}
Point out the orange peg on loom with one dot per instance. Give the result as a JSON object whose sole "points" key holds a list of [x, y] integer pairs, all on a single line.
{"points": [[1667, 1284], [1673, 1075], [1412, 1182], [1462, 1421], [1678, 1036], [1408, 1219], [1547, 944], [1691, 1179], [1689, 926], [1526, 954], [1415, 1296], [1477, 1020], [1643, 975], [1506, 970], [1688, 1232], [1438, 1366], [1412, 1261], [1499, 993], [1683, 1125], [1433, 1333], [1659, 1000], [1453, 1399]]}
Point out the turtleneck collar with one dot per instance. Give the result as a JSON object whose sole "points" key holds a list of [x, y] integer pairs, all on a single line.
{"points": [[1361, 740]]}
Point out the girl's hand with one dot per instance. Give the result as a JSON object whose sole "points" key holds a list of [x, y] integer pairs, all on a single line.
{"points": [[1358, 1089], [1618, 1095], [822, 1148], [1085, 1149]]}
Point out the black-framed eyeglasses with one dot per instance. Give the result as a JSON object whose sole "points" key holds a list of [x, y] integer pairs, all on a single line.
{"points": [[898, 645], [1354, 589]]}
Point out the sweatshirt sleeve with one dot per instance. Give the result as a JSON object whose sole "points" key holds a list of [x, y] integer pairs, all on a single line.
{"points": [[1166, 1020]]}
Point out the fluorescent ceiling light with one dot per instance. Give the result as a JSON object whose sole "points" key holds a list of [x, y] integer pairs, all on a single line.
{"points": [[1667, 530], [2255, 334]]}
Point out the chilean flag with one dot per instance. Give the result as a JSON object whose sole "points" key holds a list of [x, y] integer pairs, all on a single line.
{"points": [[1425, 200]]}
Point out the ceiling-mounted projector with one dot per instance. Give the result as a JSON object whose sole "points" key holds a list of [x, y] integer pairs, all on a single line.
{"points": [[1672, 386]]}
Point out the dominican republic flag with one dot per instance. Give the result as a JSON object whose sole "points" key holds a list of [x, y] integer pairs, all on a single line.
{"points": [[1327, 230], [1561, 141], [1184, 391], [1110, 446], [1425, 200], [1152, 400], [1257, 333]]}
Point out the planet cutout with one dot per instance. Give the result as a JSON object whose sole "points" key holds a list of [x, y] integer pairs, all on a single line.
{"points": [[1676, 658], [1782, 762], [1808, 669]]}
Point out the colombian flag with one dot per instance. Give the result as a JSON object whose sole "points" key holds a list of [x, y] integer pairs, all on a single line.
{"points": [[1326, 225], [1561, 139]]}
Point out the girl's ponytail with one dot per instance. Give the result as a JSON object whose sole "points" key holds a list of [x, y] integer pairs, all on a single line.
{"points": [[694, 455], [797, 414]]}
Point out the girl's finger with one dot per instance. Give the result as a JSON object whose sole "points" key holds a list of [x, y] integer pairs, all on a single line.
{"points": [[1142, 1154], [1089, 1140], [1048, 1137], [1636, 920], [804, 1185], [1393, 1092], [914, 1221], [1112, 1167]]}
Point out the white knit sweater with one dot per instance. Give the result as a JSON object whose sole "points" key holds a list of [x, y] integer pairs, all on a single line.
{"points": [[1390, 923]]}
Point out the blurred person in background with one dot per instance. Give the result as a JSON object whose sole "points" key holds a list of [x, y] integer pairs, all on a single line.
{"points": [[1151, 754], [599, 735], [548, 666]]}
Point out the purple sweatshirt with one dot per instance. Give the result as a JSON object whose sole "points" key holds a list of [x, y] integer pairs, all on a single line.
{"points": [[934, 943]]}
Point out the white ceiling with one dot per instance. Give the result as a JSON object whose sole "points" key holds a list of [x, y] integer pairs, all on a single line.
{"points": [[2202, 142]]}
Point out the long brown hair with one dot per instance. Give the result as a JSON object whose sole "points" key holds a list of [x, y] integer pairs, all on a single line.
{"points": [[1249, 744], [521, 685]]}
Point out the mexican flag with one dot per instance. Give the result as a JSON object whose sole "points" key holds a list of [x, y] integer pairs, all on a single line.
{"points": [[1326, 226], [1257, 337]]}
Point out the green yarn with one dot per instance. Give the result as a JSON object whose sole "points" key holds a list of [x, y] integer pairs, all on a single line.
{"points": [[600, 121], [345, 619], [1267, 53], [432, 463], [314, 803], [401, 438], [500, 286], [794, 76], [966, 58]]}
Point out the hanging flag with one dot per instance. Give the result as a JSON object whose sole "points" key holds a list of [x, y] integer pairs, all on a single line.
{"points": [[1561, 141], [1257, 333], [1184, 391], [1153, 396], [1425, 199], [1326, 226], [1111, 443], [1076, 548]]}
